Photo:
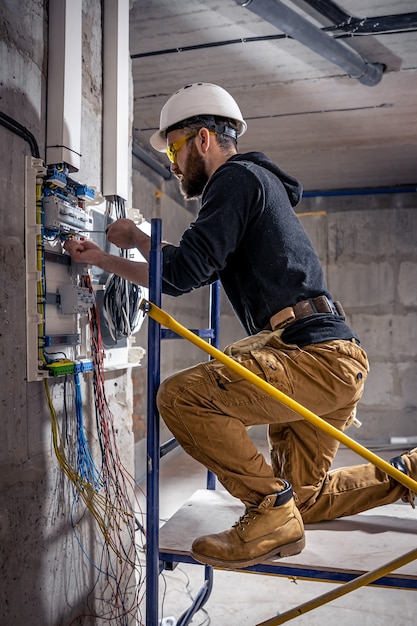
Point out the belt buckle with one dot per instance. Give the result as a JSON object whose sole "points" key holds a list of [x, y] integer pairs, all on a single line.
{"points": [[283, 318]]}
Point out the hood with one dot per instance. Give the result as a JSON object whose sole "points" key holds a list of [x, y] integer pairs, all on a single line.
{"points": [[293, 188]]}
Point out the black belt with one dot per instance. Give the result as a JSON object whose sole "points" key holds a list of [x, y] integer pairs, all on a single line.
{"points": [[305, 308]]}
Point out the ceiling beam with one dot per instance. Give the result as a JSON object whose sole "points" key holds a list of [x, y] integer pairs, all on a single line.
{"points": [[296, 26]]}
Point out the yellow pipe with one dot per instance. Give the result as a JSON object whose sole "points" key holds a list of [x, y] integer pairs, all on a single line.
{"points": [[360, 581], [169, 322]]}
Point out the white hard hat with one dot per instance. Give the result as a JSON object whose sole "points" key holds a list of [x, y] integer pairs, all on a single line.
{"points": [[195, 100]]}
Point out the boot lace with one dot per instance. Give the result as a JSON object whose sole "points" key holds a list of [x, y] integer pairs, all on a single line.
{"points": [[245, 519]]}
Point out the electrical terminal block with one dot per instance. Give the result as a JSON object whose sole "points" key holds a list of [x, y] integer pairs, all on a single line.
{"points": [[98, 197], [64, 339], [83, 365], [75, 300], [61, 367], [57, 178], [85, 193]]}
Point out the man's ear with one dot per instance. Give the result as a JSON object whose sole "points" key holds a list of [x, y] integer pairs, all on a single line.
{"points": [[203, 140]]}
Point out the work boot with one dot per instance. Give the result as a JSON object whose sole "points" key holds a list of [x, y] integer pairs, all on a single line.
{"points": [[407, 464], [273, 528]]}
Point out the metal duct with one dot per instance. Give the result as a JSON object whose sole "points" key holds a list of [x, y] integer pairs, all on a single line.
{"points": [[143, 156], [294, 25]]}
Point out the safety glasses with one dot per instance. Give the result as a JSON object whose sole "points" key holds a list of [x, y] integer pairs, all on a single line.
{"points": [[175, 146]]}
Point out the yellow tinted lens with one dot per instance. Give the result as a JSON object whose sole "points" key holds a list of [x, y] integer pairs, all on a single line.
{"points": [[172, 151], [175, 147]]}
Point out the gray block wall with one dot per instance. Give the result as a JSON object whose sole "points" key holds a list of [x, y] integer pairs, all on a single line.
{"points": [[367, 244]]}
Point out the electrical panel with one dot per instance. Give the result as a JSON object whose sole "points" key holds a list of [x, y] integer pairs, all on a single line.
{"points": [[62, 295], [61, 216]]}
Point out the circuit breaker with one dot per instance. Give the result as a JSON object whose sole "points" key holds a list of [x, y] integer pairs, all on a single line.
{"points": [[60, 295]]}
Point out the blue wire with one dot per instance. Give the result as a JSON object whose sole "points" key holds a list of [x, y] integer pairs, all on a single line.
{"points": [[86, 468]]}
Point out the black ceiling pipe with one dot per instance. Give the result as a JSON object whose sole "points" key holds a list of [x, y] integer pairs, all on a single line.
{"points": [[294, 25], [351, 24]]}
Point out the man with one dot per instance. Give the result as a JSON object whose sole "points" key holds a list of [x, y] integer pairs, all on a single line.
{"points": [[248, 235]]}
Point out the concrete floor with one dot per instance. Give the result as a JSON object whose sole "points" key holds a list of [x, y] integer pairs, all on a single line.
{"points": [[239, 599]]}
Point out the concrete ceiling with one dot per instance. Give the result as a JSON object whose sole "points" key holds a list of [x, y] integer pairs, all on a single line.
{"points": [[304, 111]]}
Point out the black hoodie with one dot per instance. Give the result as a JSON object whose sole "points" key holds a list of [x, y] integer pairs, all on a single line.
{"points": [[248, 235]]}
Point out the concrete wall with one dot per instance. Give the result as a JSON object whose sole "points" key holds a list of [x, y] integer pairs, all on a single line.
{"points": [[368, 248], [46, 579]]}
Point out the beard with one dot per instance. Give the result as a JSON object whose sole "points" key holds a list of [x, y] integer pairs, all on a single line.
{"points": [[194, 181]]}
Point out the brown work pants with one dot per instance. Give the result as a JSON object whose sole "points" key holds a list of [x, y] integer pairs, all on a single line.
{"points": [[209, 407]]}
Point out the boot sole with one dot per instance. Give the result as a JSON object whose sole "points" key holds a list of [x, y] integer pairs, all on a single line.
{"points": [[289, 549]]}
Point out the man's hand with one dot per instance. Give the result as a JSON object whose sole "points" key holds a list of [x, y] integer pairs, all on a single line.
{"points": [[89, 253], [125, 234], [85, 251]]}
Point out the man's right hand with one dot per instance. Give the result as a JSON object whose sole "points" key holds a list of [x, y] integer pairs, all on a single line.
{"points": [[89, 253], [84, 251]]}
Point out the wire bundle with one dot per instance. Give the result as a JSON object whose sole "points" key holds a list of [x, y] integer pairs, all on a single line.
{"points": [[107, 493], [94, 501], [121, 306], [85, 467], [121, 297], [118, 488]]}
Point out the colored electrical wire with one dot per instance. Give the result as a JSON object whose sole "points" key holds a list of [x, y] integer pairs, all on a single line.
{"points": [[121, 306], [123, 581], [121, 297], [94, 501], [118, 485], [86, 468], [102, 488]]}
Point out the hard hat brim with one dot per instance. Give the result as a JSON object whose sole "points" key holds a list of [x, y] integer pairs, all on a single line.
{"points": [[158, 141]]}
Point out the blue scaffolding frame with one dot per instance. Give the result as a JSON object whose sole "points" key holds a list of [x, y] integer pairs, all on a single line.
{"points": [[155, 451], [156, 559]]}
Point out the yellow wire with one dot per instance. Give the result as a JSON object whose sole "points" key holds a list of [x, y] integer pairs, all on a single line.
{"points": [[93, 500], [166, 320], [104, 512]]}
